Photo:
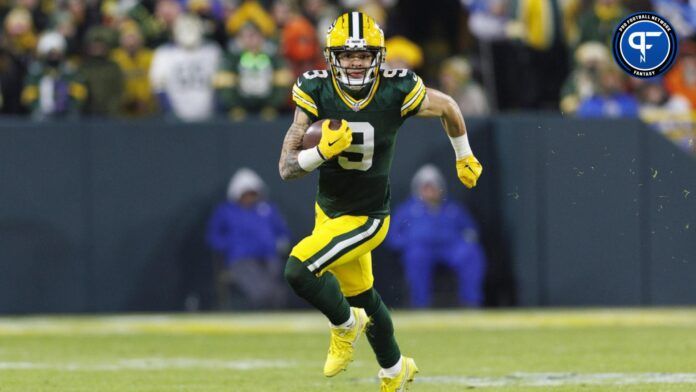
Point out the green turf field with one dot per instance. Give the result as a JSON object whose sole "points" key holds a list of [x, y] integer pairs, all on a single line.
{"points": [[556, 350]]}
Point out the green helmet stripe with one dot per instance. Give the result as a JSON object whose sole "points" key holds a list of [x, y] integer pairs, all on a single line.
{"points": [[350, 23], [360, 25]]}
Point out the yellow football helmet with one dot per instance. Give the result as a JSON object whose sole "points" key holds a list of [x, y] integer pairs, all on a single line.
{"points": [[354, 31]]}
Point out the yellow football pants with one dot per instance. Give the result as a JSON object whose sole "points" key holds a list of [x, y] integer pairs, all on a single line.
{"points": [[342, 246]]}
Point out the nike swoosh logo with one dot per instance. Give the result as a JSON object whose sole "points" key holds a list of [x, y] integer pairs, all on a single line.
{"points": [[299, 83], [334, 142]]}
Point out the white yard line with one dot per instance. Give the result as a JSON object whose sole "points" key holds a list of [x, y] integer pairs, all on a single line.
{"points": [[556, 379], [518, 379], [300, 322], [152, 364]]}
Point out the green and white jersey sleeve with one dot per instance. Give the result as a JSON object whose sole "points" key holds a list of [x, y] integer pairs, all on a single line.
{"points": [[305, 92], [411, 85]]}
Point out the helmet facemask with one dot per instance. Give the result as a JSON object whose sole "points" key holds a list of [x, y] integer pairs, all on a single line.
{"points": [[341, 73]]}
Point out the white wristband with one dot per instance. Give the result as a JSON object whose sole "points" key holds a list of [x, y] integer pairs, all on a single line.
{"points": [[309, 159], [461, 146]]}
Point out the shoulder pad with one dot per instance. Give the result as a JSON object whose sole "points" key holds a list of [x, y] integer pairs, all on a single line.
{"points": [[411, 87], [313, 76], [304, 91]]}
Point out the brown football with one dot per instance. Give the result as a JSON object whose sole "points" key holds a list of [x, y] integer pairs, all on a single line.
{"points": [[313, 135]]}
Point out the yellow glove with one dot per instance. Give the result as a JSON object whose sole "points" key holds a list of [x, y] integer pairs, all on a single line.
{"points": [[468, 170], [333, 142]]}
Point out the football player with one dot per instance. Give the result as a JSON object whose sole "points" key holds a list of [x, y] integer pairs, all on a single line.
{"points": [[352, 206]]}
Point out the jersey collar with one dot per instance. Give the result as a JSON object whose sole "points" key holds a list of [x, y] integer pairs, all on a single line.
{"points": [[356, 105]]}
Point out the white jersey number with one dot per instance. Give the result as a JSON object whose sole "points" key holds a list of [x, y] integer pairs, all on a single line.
{"points": [[390, 73], [316, 73], [358, 156]]}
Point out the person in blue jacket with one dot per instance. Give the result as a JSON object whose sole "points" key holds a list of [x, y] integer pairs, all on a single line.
{"points": [[249, 234], [611, 99], [428, 229]]}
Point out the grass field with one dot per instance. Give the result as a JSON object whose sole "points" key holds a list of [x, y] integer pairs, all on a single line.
{"points": [[557, 350]]}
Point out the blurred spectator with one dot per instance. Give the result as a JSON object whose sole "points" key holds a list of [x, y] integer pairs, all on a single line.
{"points": [[134, 60], [375, 8], [489, 19], [535, 23], [63, 22], [434, 26], [248, 234], [489, 22], [156, 27], [539, 27], [52, 88], [229, 7], [282, 11], [322, 14], [456, 81], [571, 10], [39, 10], [403, 53], [211, 14], [656, 101], [668, 114], [427, 230], [610, 98], [298, 39], [252, 80], [102, 76], [590, 58], [680, 13], [212, 9], [11, 78], [599, 22], [681, 79], [111, 13], [83, 15], [181, 74], [19, 37], [251, 11]]}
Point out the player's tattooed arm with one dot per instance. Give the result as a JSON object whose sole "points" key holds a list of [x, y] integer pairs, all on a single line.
{"points": [[292, 145], [439, 104]]}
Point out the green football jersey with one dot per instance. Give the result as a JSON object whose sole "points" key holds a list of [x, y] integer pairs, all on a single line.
{"points": [[357, 181]]}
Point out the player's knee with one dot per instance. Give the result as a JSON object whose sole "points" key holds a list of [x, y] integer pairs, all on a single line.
{"points": [[296, 274], [368, 300]]}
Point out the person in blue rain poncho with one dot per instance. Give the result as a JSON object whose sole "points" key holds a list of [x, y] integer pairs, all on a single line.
{"points": [[428, 229], [248, 234]]}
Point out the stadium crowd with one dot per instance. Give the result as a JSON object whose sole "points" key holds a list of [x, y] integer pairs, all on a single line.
{"points": [[196, 59]]}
